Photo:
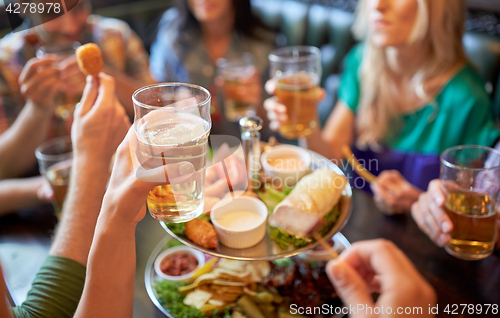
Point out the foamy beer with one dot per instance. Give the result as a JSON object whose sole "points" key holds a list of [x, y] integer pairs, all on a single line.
{"points": [[172, 123], [296, 71], [55, 158], [471, 178]]}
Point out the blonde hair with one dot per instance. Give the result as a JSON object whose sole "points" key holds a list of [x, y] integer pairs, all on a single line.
{"points": [[440, 25]]}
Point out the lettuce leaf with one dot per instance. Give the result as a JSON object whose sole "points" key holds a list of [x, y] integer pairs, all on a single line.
{"points": [[172, 300], [283, 239], [271, 197]]}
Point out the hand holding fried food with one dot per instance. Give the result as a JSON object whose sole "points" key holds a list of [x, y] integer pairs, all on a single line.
{"points": [[202, 232], [89, 58]]}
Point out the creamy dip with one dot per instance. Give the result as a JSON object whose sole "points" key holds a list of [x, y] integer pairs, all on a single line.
{"points": [[240, 220], [288, 162]]}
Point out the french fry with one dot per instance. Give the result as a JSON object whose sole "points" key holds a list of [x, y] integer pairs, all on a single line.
{"points": [[333, 253], [365, 174]]}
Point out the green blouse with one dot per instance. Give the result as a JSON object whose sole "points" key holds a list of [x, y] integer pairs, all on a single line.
{"points": [[462, 112]]}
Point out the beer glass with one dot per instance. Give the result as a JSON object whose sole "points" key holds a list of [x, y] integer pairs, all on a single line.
{"points": [[66, 103], [471, 179], [236, 72], [296, 71], [172, 123], [55, 158]]}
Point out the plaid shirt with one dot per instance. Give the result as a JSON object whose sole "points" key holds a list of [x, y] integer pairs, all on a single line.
{"points": [[121, 48]]}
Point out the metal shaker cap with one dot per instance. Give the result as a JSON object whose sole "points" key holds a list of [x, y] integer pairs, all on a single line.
{"points": [[253, 123]]}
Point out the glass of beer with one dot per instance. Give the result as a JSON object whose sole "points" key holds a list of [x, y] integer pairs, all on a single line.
{"points": [[296, 71], [55, 158], [172, 123], [236, 73], [471, 179], [66, 102]]}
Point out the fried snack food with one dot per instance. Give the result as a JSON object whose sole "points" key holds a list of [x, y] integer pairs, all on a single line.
{"points": [[202, 233], [89, 58]]}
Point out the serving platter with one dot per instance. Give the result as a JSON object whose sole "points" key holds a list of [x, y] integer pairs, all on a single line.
{"points": [[268, 249], [150, 276]]}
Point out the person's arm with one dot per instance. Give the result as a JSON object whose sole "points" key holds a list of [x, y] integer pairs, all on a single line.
{"points": [[4, 309], [379, 266], [19, 193], [96, 132], [109, 285], [39, 82]]}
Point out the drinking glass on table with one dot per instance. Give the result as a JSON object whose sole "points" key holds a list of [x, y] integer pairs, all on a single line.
{"points": [[65, 101], [296, 71], [236, 74], [471, 179], [172, 123], [55, 158]]}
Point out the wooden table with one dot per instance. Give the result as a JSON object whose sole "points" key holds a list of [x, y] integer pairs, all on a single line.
{"points": [[25, 239]]}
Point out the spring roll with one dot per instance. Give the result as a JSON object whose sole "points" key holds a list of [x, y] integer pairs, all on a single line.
{"points": [[304, 209]]}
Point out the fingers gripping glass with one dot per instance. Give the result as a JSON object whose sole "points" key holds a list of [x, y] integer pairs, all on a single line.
{"points": [[172, 123], [55, 158], [471, 178], [297, 71]]}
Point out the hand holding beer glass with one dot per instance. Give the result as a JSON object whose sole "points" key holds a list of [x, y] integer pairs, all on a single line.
{"points": [[73, 80], [471, 180], [55, 158], [296, 72], [240, 81], [172, 123]]}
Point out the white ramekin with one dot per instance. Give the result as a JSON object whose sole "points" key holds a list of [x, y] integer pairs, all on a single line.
{"points": [[288, 177], [240, 239], [181, 248]]}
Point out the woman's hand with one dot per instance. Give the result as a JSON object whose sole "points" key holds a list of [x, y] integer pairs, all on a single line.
{"points": [[428, 213], [379, 266], [393, 194], [130, 183]]}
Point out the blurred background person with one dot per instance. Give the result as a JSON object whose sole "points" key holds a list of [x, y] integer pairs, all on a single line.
{"points": [[123, 53], [194, 34], [407, 94], [29, 85]]}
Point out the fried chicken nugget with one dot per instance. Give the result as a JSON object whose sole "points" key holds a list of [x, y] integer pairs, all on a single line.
{"points": [[89, 58], [202, 233]]}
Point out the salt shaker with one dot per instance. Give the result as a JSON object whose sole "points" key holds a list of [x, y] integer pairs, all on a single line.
{"points": [[250, 138]]}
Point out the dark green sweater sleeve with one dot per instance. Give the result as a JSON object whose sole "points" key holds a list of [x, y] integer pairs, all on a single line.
{"points": [[56, 290]]}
